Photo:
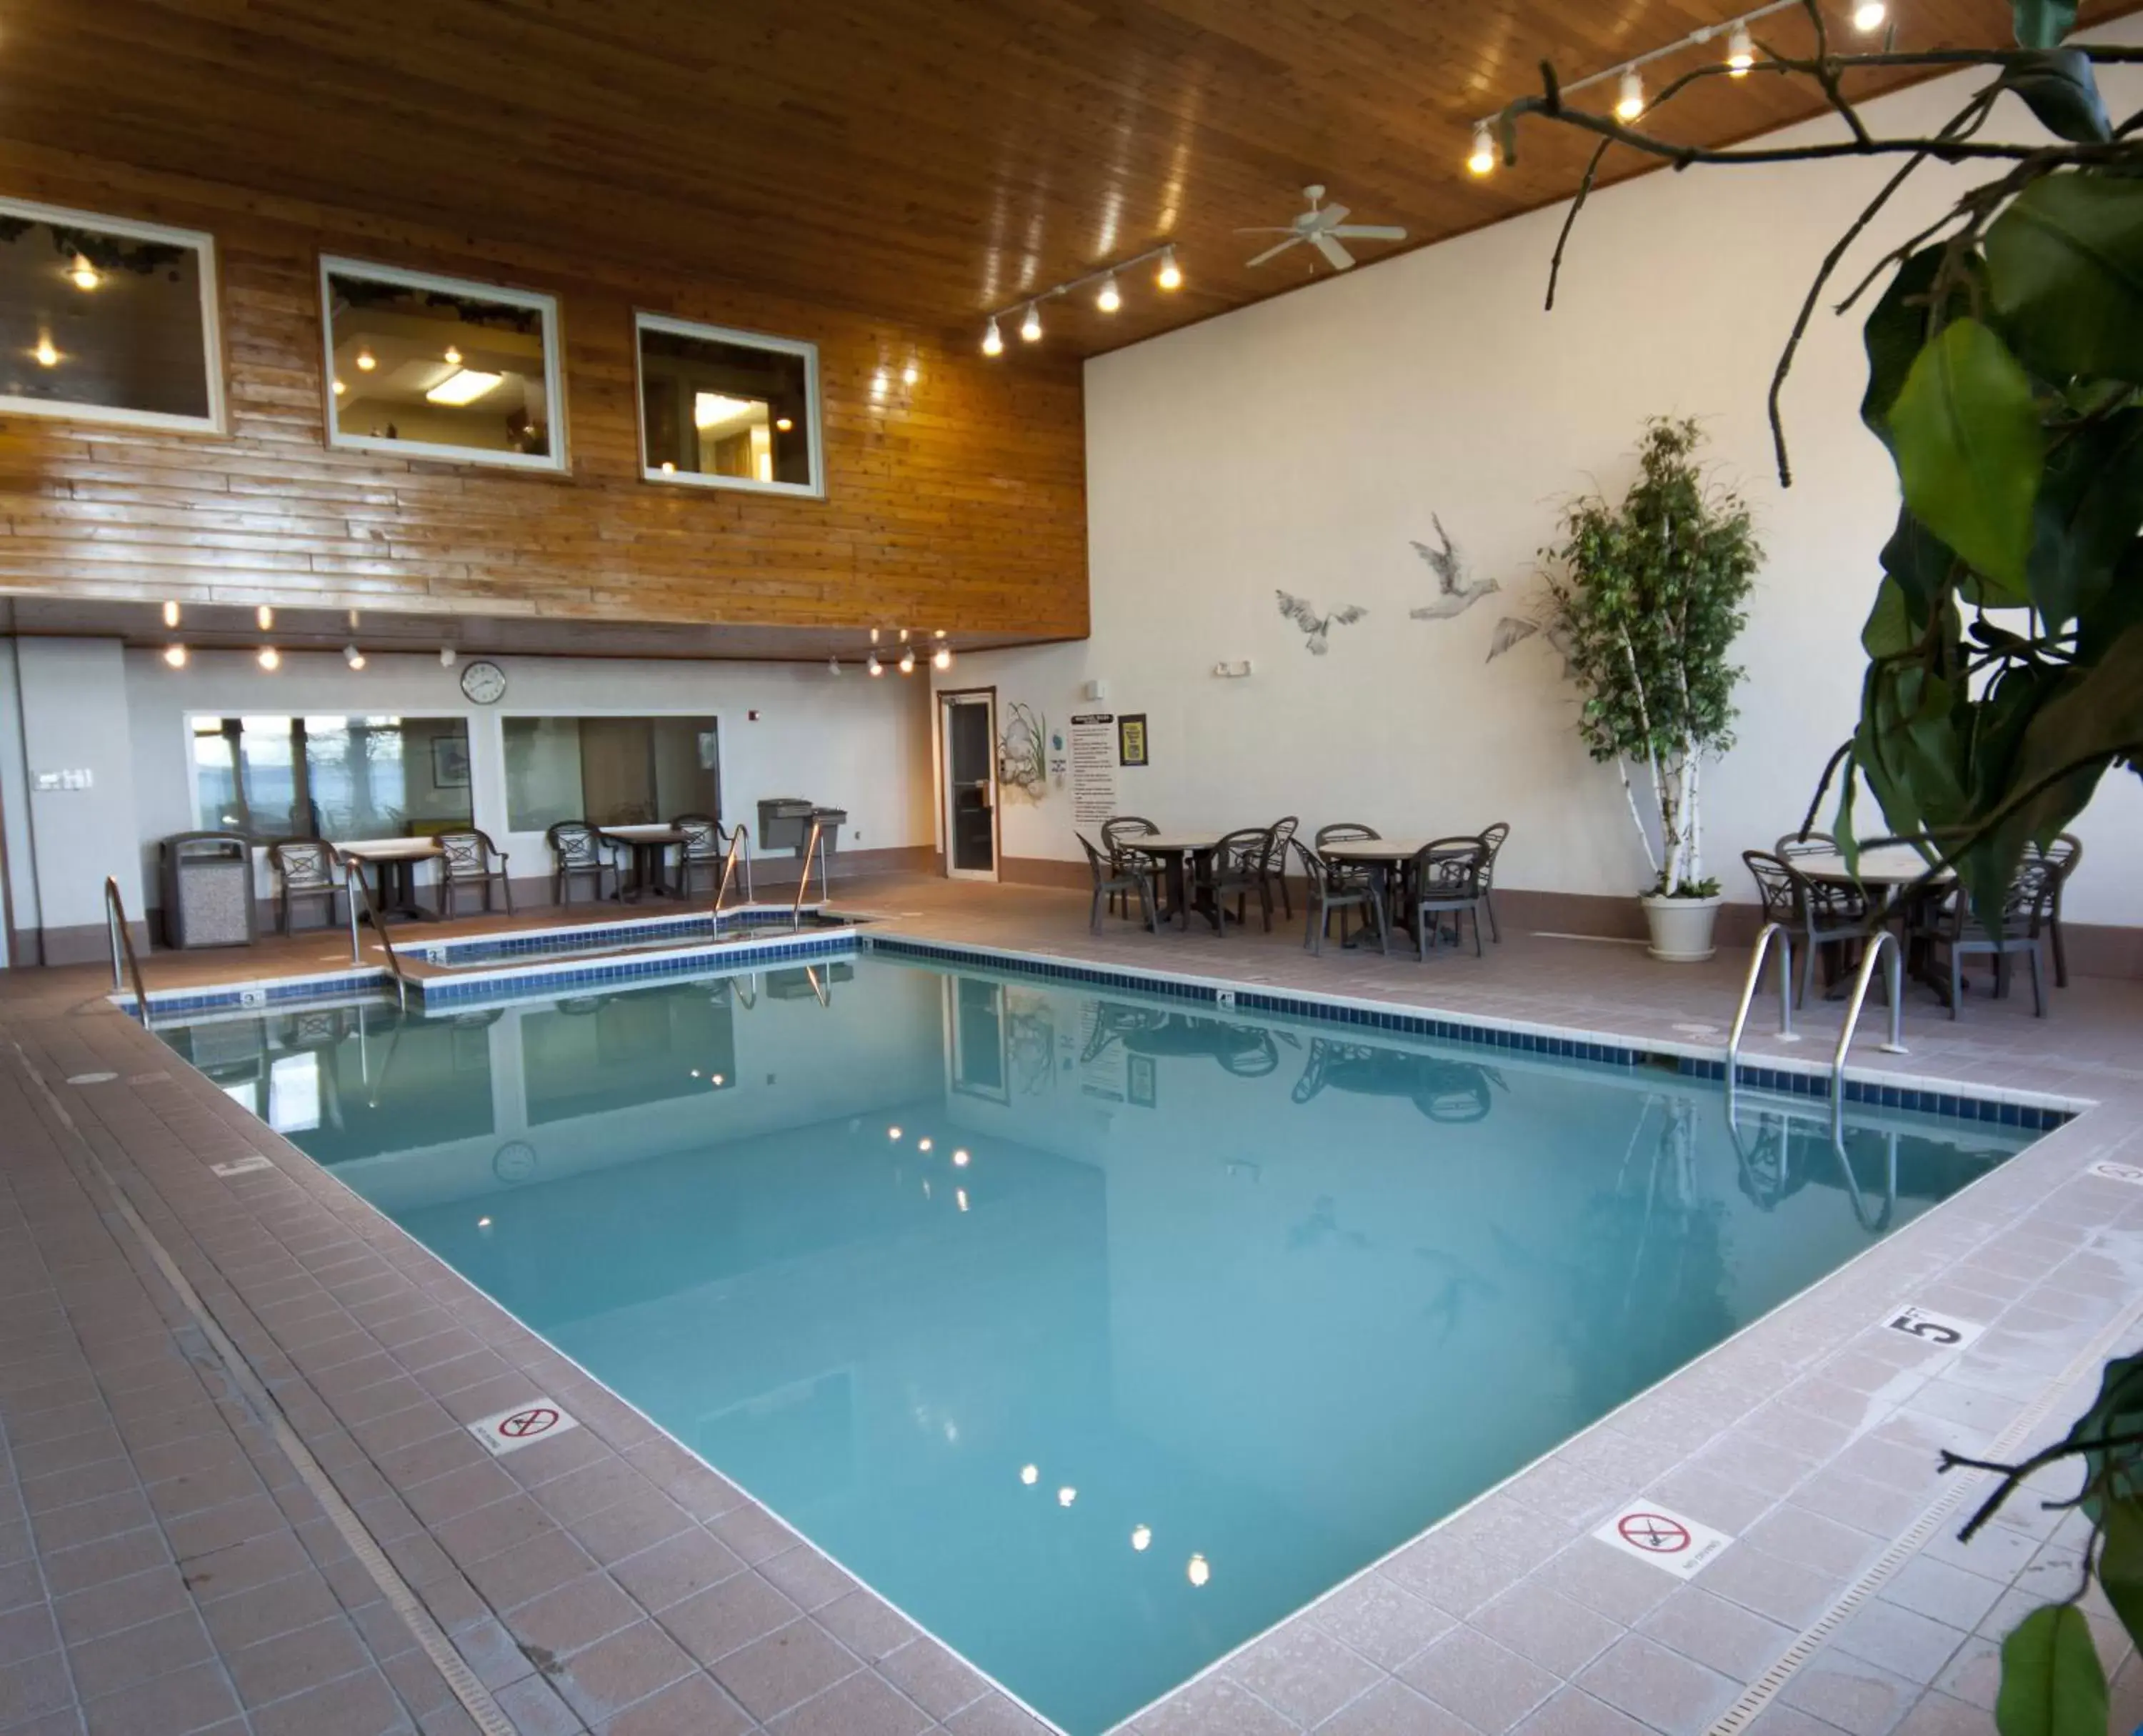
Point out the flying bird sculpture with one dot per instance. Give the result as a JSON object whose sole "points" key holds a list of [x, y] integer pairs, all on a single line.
{"points": [[1454, 594], [1516, 629], [1303, 614]]}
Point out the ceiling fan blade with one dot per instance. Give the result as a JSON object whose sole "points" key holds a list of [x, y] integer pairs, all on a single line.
{"points": [[1371, 232], [1283, 247], [1337, 255], [1269, 229], [1331, 216]]}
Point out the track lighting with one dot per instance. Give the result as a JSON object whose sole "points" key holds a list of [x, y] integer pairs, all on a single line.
{"points": [[1868, 16], [176, 656], [1630, 103], [353, 656], [86, 275], [270, 658], [1482, 158], [265, 615], [1171, 274], [907, 663], [873, 665], [942, 659], [1740, 52], [366, 361], [1030, 327], [1107, 297], [171, 613]]}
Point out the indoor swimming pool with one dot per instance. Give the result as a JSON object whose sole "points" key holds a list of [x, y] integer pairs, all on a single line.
{"points": [[1096, 1330]]}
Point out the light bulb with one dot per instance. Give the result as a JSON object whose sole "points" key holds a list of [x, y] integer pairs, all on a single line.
{"points": [[454, 356], [893, 1133], [1141, 1537], [1030, 327], [176, 656], [268, 657], [938, 634], [1868, 16], [1630, 103], [942, 658], [353, 656], [265, 615], [366, 361], [960, 1199], [910, 374], [483, 1223], [924, 1145], [874, 666], [907, 663], [874, 636], [1171, 274], [833, 665], [85, 275], [1028, 1474], [960, 1159], [669, 467], [1483, 157], [1108, 300], [1740, 52], [171, 614], [904, 635], [339, 389], [783, 423], [1065, 1496], [992, 343], [878, 383], [47, 354], [446, 656]]}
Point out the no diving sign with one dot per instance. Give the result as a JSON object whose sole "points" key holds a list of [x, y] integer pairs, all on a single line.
{"points": [[523, 1426], [1666, 1539]]}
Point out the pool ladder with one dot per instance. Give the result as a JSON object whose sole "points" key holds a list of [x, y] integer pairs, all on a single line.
{"points": [[804, 882], [1894, 982], [738, 839], [353, 880], [121, 943]]}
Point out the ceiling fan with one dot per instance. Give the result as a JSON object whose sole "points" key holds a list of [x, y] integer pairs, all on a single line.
{"points": [[1323, 226]]}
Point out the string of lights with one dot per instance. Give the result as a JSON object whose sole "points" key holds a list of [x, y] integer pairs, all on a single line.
{"points": [[1108, 297], [1868, 17]]}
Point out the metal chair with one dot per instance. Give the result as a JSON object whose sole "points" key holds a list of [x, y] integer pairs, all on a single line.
{"points": [[1444, 879], [1115, 834], [1107, 881], [465, 861], [305, 868], [577, 848], [1952, 927], [1327, 893], [1275, 862], [1493, 837], [2062, 856], [705, 845], [1236, 868], [1817, 922]]}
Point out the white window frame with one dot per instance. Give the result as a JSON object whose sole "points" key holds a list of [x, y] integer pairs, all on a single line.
{"points": [[643, 322], [118, 415], [555, 461]]}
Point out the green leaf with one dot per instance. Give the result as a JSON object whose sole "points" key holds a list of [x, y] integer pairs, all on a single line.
{"points": [[1969, 449], [1922, 563], [1890, 632], [2089, 512], [2120, 1563], [2060, 89], [2117, 1411], [2043, 23], [1895, 334], [2051, 1682], [2065, 266]]}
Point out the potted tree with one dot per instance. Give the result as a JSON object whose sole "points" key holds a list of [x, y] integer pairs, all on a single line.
{"points": [[1647, 598]]}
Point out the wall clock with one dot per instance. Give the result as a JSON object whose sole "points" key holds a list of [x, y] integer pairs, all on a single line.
{"points": [[483, 682]]}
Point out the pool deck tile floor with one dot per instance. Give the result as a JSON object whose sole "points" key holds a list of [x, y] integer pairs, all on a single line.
{"points": [[223, 1396]]}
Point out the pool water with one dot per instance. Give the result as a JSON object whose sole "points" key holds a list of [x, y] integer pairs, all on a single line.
{"points": [[1096, 1333]]}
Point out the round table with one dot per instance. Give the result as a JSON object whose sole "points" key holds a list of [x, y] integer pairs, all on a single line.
{"points": [[649, 844], [393, 862]]}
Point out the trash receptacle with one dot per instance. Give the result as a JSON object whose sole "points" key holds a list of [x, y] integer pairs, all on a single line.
{"points": [[208, 889], [784, 822], [829, 822]]}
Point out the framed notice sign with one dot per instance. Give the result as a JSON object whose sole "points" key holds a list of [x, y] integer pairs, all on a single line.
{"points": [[1131, 739]]}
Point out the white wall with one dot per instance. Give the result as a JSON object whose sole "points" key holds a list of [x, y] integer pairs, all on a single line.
{"points": [[1302, 443], [75, 719]]}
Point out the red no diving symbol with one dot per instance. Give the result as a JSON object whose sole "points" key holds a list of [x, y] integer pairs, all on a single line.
{"points": [[1654, 1533], [523, 1424]]}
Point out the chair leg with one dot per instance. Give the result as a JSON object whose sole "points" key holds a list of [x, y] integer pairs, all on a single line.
{"points": [[1495, 933], [1094, 916], [1477, 930], [2061, 952], [1286, 898], [1955, 980], [1420, 936], [1383, 925], [505, 886], [1807, 969], [1146, 904], [1314, 921], [1265, 903], [2038, 983]]}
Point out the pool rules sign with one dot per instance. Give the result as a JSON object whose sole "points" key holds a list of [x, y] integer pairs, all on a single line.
{"points": [[1678, 1545], [1093, 767]]}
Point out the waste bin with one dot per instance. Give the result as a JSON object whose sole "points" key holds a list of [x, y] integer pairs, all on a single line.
{"points": [[784, 823], [829, 822], [208, 889]]}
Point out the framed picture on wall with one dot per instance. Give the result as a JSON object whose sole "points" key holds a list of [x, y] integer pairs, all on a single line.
{"points": [[1131, 739], [450, 762]]}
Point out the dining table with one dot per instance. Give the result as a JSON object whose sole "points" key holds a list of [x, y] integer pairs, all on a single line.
{"points": [[1885, 874], [650, 845], [1387, 858], [394, 864], [1173, 850]]}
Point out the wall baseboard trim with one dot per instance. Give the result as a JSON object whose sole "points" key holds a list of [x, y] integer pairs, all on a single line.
{"points": [[1044, 871]]}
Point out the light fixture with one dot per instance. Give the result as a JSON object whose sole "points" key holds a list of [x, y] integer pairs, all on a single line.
{"points": [[924, 1145], [1630, 103], [1141, 1537], [265, 616], [353, 656], [992, 343], [783, 424], [1482, 158], [907, 663], [960, 1198], [86, 275], [171, 613], [483, 1223], [874, 636], [446, 656], [939, 634], [454, 356], [1028, 1474], [833, 665], [1740, 52], [1107, 297], [960, 1158], [942, 658], [873, 665], [464, 387], [339, 389], [176, 656], [47, 354], [669, 467], [1065, 1496], [1868, 16], [910, 374], [893, 1133], [1198, 1572], [1171, 274], [269, 658], [1030, 327], [366, 361], [878, 383], [711, 408], [904, 635]]}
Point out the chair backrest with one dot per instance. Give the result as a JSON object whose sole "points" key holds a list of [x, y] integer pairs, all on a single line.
{"points": [[1492, 837], [465, 855], [1242, 852], [1344, 832], [2062, 855], [575, 844], [1095, 861], [1450, 867], [703, 836], [2032, 891], [1804, 844], [1123, 826], [1780, 889], [1282, 835], [1314, 870], [303, 863]]}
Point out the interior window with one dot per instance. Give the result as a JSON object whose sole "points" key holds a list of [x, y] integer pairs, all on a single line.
{"points": [[336, 778], [459, 369], [614, 771], [728, 408], [107, 321]]}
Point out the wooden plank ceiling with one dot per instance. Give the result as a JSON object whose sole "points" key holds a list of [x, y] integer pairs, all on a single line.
{"points": [[922, 160]]}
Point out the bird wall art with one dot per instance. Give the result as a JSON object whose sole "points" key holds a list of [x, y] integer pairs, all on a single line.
{"points": [[1455, 594], [1303, 614]]}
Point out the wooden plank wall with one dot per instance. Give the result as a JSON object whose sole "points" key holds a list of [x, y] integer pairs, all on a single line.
{"points": [[957, 504]]}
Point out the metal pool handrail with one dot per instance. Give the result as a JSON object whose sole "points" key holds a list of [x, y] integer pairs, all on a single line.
{"points": [[118, 937], [353, 880], [804, 885], [1894, 981], [737, 839], [1780, 933]]}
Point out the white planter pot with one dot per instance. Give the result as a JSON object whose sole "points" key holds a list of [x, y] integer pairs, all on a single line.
{"points": [[1681, 927]]}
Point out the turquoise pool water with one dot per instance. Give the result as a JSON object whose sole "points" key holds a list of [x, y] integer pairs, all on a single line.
{"points": [[1096, 1332]]}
